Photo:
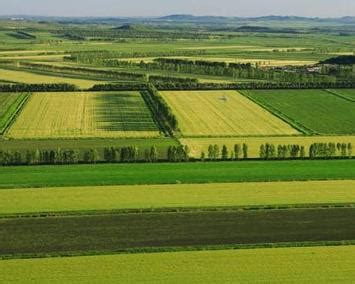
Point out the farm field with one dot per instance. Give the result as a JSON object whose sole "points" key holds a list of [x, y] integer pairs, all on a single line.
{"points": [[302, 265], [115, 179], [222, 113], [170, 173], [32, 78], [199, 145], [69, 115], [9, 105], [122, 232], [317, 111], [71, 199]]}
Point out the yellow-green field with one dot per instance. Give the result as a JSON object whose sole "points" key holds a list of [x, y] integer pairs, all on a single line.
{"points": [[80, 114], [260, 62], [197, 145], [32, 78], [223, 113], [34, 200], [279, 265]]}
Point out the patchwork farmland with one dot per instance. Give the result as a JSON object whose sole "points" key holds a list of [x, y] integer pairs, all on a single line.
{"points": [[66, 115], [223, 113], [177, 150]]}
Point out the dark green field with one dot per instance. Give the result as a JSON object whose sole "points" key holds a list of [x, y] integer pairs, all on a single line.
{"points": [[110, 233], [316, 111], [168, 173]]}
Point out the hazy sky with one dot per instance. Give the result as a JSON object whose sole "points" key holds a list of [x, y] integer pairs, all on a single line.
{"points": [[313, 8]]}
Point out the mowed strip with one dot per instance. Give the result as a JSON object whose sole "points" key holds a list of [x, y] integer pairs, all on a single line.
{"points": [[284, 265], [199, 145], [32, 78], [223, 113], [80, 114], [317, 110], [70, 199]]}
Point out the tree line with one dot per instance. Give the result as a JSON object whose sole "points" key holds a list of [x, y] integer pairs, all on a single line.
{"points": [[316, 151], [13, 88], [233, 70], [128, 154], [214, 153], [191, 85], [160, 108]]}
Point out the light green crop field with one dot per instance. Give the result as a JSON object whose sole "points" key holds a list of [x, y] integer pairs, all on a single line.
{"points": [[280, 265], [32, 78], [198, 145], [9, 104], [317, 110], [34, 200], [69, 115], [223, 113]]}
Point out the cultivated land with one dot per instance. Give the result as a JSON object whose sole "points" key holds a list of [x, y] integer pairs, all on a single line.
{"points": [[170, 173], [69, 115], [317, 111], [71, 199], [223, 113], [9, 105], [121, 232], [32, 78], [198, 145], [78, 210], [302, 265]]}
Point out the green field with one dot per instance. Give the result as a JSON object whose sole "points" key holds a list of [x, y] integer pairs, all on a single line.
{"points": [[316, 111], [84, 115], [121, 232], [72, 199], [169, 173], [280, 265], [9, 105]]}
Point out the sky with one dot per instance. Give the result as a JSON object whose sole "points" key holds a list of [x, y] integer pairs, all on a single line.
{"points": [[138, 8]]}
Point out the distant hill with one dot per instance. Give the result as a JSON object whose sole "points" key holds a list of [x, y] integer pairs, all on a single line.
{"points": [[133, 27]]}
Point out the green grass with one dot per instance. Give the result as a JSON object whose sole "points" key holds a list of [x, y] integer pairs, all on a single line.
{"points": [[281, 265], [9, 105], [168, 173], [121, 232], [317, 111], [79, 199]]}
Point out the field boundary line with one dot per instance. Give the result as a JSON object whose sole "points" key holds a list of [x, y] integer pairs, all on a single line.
{"points": [[145, 250], [166, 210], [339, 95]]}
